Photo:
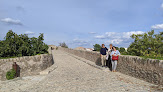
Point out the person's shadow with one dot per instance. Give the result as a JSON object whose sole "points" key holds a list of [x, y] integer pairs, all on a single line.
{"points": [[98, 62], [108, 62], [18, 71]]}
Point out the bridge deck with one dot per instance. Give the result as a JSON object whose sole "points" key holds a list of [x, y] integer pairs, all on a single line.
{"points": [[73, 75]]}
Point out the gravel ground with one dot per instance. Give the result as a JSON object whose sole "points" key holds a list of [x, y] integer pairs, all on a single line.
{"points": [[73, 75]]}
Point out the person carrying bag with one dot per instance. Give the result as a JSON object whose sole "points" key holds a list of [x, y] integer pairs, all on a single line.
{"points": [[114, 56]]}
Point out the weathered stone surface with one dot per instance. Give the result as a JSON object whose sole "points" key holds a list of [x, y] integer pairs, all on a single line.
{"points": [[76, 74], [150, 70], [30, 65]]}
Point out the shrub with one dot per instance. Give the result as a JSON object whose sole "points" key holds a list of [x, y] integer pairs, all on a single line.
{"points": [[63, 45], [57, 48], [10, 74]]}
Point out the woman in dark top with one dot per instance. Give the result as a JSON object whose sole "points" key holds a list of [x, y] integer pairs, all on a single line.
{"points": [[108, 58]]}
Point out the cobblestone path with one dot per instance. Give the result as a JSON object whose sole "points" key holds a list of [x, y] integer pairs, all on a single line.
{"points": [[73, 75]]}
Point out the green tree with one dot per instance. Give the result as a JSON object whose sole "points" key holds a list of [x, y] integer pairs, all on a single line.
{"points": [[63, 45], [122, 49], [97, 47], [9, 44], [117, 48], [147, 44], [1, 48], [41, 46], [15, 45], [24, 45], [33, 49]]}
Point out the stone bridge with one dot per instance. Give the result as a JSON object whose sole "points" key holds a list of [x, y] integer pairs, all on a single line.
{"points": [[71, 73]]}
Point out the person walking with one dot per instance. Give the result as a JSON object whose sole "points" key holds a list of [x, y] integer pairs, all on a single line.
{"points": [[114, 56], [103, 55]]}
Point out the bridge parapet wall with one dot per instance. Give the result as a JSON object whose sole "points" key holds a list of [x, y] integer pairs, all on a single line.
{"points": [[150, 70], [29, 65]]}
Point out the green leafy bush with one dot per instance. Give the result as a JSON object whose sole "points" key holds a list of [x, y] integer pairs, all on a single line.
{"points": [[10, 74]]}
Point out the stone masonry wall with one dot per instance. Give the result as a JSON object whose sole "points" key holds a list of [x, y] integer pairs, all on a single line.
{"points": [[150, 70], [29, 65]]}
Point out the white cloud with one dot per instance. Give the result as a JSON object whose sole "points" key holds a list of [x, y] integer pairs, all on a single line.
{"points": [[11, 21], [162, 5], [107, 35], [128, 34], [81, 42], [114, 41], [110, 34], [157, 26], [118, 38], [118, 35], [92, 32], [100, 37], [29, 33]]}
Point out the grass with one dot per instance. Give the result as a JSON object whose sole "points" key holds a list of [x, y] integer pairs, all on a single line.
{"points": [[159, 58], [17, 56], [39, 54], [146, 57], [7, 57]]}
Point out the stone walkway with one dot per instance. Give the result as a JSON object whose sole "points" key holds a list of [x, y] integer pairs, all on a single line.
{"points": [[73, 75]]}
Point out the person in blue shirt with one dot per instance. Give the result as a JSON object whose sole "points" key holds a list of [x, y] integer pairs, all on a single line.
{"points": [[103, 55], [114, 62]]}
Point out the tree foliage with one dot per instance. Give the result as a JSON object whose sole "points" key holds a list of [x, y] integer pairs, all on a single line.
{"points": [[117, 48], [122, 49], [97, 47], [15, 45], [147, 44], [63, 45]]}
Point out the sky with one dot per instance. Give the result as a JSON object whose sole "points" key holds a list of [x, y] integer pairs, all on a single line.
{"points": [[81, 23]]}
